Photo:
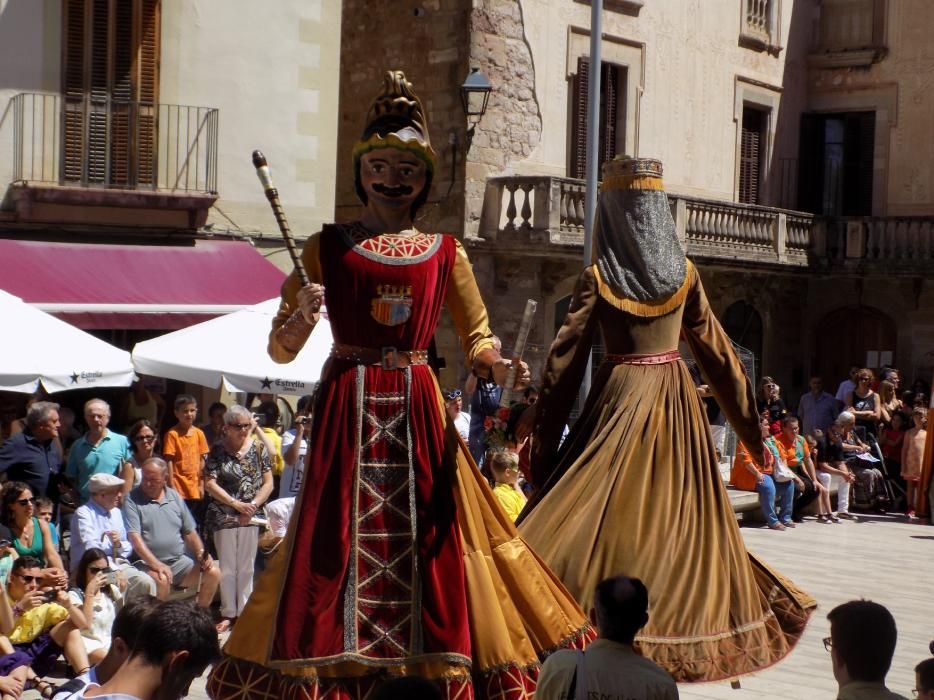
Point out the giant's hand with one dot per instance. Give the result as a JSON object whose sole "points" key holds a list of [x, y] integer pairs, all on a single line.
{"points": [[310, 299], [501, 370]]}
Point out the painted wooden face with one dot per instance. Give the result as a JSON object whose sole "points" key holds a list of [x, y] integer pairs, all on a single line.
{"points": [[392, 177]]}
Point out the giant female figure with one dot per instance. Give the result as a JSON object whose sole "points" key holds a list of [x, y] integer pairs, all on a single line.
{"points": [[397, 560], [635, 488]]}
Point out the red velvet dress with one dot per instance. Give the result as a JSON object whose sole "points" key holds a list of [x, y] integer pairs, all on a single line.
{"points": [[374, 574]]}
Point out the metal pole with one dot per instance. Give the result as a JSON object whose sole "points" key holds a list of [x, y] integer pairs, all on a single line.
{"points": [[593, 146]]}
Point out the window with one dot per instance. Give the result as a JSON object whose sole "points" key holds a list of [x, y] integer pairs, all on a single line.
{"points": [[110, 89], [612, 115], [760, 25], [836, 163], [752, 154]]}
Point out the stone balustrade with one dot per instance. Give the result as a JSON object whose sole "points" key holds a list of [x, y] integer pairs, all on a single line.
{"points": [[544, 216]]}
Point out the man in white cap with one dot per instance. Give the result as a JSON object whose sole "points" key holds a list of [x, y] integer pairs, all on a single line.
{"points": [[99, 523]]}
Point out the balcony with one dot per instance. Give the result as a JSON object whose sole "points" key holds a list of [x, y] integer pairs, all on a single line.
{"points": [[760, 26], [896, 244], [86, 161], [544, 216], [850, 34]]}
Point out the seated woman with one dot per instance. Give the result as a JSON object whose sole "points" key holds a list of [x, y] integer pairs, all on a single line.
{"points": [[746, 476], [31, 535], [869, 486], [99, 598], [40, 625]]}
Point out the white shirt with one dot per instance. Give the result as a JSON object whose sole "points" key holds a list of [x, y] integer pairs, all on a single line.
{"points": [[85, 680], [88, 526], [292, 474], [462, 423], [279, 513]]}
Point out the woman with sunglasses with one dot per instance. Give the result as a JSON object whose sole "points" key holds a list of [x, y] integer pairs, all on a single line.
{"points": [[864, 403], [98, 597], [238, 479], [31, 534], [142, 438]]}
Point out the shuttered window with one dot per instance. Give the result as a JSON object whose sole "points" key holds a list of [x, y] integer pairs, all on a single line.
{"points": [[110, 85], [751, 154], [612, 110]]}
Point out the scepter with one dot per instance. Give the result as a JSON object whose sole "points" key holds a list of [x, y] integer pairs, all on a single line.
{"points": [[505, 399], [272, 194]]}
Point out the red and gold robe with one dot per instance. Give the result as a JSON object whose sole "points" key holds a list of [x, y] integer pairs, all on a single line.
{"points": [[398, 559]]}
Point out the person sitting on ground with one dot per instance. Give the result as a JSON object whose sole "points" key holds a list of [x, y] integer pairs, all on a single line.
{"points": [[99, 451], [295, 448], [504, 466], [99, 591], [861, 644], [611, 666], [143, 441], [164, 539], [746, 475], [123, 637], [99, 524], [39, 624], [31, 536], [924, 680], [912, 458], [453, 403], [824, 508], [45, 510], [185, 450], [794, 450], [176, 644]]}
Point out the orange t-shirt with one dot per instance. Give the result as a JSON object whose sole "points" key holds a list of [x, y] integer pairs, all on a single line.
{"points": [[740, 476], [186, 452]]}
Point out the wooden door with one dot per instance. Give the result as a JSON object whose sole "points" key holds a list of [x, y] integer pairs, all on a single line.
{"points": [[852, 336]]}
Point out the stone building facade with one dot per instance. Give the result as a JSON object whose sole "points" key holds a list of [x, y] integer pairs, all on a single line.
{"points": [[795, 136]]}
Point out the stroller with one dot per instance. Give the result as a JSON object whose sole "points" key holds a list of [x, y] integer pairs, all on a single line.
{"points": [[884, 494]]}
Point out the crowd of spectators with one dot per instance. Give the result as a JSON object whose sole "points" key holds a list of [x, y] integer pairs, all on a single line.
{"points": [[869, 437]]}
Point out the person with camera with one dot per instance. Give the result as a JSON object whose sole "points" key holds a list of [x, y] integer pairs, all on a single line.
{"points": [[98, 524], [238, 480], [294, 449], [40, 624], [99, 590]]}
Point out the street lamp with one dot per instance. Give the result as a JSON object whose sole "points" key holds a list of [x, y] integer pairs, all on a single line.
{"points": [[475, 94]]}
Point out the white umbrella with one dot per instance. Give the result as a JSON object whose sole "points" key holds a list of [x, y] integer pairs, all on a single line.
{"points": [[60, 356], [231, 351]]}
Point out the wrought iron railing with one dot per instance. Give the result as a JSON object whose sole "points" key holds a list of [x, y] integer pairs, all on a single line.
{"points": [[85, 142]]}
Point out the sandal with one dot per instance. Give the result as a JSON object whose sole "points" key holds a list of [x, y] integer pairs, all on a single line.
{"points": [[46, 690], [831, 518], [224, 625]]}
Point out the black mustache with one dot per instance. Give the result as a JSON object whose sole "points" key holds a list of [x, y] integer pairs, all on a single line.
{"points": [[399, 191]]}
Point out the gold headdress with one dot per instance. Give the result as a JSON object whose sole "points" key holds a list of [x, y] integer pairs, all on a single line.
{"points": [[396, 120]]}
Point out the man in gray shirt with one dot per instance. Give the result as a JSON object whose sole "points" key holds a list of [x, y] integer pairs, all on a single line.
{"points": [[162, 532]]}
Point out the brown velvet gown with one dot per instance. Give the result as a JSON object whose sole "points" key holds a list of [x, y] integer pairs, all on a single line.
{"points": [[636, 490]]}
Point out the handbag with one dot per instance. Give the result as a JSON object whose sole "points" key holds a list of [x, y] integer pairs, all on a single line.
{"points": [[781, 472]]}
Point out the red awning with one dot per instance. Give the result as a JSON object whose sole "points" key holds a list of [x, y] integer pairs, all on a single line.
{"points": [[137, 286]]}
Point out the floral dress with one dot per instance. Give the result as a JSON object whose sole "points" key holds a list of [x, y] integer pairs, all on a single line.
{"points": [[241, 478]]}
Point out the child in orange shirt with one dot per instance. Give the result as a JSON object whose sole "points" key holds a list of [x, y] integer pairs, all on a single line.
{"points": [[185, 449]]}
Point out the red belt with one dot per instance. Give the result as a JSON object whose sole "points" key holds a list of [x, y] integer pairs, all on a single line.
{"points": [[386, 357], [657, 358]]}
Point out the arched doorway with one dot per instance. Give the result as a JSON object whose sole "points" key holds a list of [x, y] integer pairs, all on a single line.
{"points": [[853, 335], [743, 324]]}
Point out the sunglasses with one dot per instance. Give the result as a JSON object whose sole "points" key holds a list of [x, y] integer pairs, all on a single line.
{"points": [[144, 438], [29, 579], [26, 501], [95, 570], [828, 643], [456, 394]]}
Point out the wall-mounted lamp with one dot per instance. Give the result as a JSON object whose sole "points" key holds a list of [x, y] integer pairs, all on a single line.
{"points": [[475, 95]]}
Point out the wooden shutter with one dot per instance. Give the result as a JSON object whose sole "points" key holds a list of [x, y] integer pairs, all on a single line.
{"points": [[609, 108], [73, 91], [750, 157], [858, 151], [148, 91], [578, 146]]}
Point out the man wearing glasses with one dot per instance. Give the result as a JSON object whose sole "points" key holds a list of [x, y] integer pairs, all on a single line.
{"points": [[861, 645], [99, 523]]}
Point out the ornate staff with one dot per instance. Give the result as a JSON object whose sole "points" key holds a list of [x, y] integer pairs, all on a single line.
{"points": [[524, 328], [272, 194]]}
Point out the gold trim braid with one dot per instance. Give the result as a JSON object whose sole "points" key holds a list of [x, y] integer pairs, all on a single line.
{"points": [[631, 182], [646, 309]]}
